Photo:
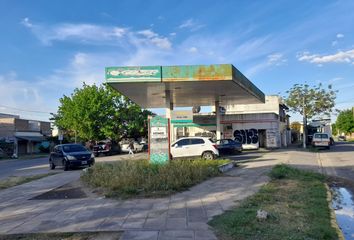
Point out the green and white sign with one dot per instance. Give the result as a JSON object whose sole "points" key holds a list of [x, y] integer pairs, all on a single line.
{"points": [[159, 140], [133, 74]]}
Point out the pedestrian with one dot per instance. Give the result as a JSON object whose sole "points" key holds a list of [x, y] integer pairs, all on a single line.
{"points": [[131, 147]]}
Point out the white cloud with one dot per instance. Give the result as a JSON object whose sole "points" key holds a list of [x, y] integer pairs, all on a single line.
{"points": [[276, 59], [193, 50], [154, 38], [21, 96], [26, 22], [191, 24], [96, 34], [340, 35], [339, 57]]}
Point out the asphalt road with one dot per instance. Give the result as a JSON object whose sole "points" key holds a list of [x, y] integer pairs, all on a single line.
{"points": [[339, 160], [40, 165]]}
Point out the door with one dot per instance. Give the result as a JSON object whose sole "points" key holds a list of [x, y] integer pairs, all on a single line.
{"points": [[196, 147], [181, 148]]}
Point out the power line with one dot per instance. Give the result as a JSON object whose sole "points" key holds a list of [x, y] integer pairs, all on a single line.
{"points": [[24, 110]]}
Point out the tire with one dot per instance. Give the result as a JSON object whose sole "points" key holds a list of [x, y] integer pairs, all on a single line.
{"points": [[51, 165], [66, 166], [208, 156]]}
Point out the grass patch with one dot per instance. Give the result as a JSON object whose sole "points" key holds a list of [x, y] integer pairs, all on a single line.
{"points": [[296, 201], [18, 180], [140, 178], [63, 236]]}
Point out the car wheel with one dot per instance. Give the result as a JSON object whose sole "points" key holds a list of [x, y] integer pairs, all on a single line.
{"points": [[51, 164], [66, 166], [208, 156]]}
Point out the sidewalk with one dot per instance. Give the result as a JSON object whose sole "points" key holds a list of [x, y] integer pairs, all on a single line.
{"points": [[181, 216]]}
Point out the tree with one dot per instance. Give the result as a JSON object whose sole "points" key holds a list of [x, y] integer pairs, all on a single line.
{"points": [[310, 101], [334, 129], [296, 126], [99, 112], [345, 121]]}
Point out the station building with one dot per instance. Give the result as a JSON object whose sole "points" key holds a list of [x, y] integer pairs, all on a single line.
{"points": [[264, 125]]}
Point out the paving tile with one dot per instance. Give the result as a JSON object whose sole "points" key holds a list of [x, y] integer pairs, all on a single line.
{"points": [[176, 223], [155, 223], [204, 235], [139, 235], [133, 223], [197, 225], [176, 235]]}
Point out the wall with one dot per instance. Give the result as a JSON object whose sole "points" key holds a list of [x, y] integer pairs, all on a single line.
{"points": [[45, 128], [271, 105], [21, 125], [7, 127]]}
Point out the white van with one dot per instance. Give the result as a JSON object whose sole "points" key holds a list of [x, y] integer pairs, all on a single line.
{"points": [[321, 140]]}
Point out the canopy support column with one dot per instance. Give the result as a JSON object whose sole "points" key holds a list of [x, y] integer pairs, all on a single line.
{"points": [[169, 108], [218, 119]]}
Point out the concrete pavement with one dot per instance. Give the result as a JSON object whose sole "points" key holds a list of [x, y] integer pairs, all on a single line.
{"points": [[180, 216]]}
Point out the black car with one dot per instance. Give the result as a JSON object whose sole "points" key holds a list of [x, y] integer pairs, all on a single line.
{"points": [[228, 146], [70, 155]]}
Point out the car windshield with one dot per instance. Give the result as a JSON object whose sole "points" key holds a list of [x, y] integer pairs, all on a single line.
{"points": [[73, 148], [321, 135]]}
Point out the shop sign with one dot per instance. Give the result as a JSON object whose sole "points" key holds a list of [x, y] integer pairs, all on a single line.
{"points": [[181, 116], [133, 74], [159, 140]]}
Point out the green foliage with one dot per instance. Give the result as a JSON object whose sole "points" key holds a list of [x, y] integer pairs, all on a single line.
{"points": [[296, 126], [334, 129], [296, 202], [139, 177], [310, 102], [345, 121], [95, 113]]}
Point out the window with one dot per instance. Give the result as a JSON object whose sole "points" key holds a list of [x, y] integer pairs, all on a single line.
{"points": [[197, 141], [73, 148], [183, 142], [320, 135]]}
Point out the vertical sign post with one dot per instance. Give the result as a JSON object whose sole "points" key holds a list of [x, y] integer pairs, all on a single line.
{"points": [[159, 140]]}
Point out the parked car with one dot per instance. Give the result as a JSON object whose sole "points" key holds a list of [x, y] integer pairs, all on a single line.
{"points": [[321, 140], [342, 138], [228, 146], [194, 147], [138, 147], [105, 147], [70, 155]]}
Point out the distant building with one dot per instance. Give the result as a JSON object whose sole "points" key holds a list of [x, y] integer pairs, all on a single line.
{"points": [[5, 115], [27, 135]]}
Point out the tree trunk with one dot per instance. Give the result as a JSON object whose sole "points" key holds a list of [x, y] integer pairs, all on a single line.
{"points": [[304, 140]]}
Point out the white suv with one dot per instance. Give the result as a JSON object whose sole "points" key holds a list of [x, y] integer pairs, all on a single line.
{"points": [[193, 147]]}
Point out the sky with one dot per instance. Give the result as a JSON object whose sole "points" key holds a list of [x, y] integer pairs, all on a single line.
{"points": [[49, 48]]}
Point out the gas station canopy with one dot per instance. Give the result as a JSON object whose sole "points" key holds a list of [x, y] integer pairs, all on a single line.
{"points": [[184, 86]]}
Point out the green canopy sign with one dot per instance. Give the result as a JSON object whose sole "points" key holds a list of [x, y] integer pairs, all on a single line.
{"points": [[133, 74]]}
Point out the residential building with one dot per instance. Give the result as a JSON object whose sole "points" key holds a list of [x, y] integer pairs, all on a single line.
{"points": [[27, 135]]}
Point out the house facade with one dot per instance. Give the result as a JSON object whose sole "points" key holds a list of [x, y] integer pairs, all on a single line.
{"points": [[26, 135]]}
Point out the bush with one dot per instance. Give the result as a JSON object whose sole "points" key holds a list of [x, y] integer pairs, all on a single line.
{"points": [[126, 178]]}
